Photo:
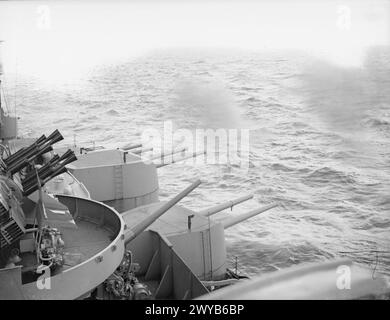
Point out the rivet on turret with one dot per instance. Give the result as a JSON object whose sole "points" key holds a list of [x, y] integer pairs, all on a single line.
{"points": [[99, 259], [113, 248]]}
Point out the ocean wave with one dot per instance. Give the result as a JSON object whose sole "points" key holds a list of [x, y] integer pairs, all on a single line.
{"points": [[112, 112], [377, 222], [374, 123], [281, 167], [246, 88], [253, 100], [341, 154], [92, 118], [329, 175], [270, 257]]}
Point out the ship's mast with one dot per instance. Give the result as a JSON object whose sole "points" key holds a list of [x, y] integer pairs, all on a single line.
{"points": [[8, 122], [1, 74]]}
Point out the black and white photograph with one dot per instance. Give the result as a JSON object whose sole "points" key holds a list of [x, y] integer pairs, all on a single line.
{"points": [[211, 151]]}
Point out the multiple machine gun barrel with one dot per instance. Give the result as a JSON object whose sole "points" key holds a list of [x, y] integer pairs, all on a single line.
{"points": [[42, 145], [30, 155], [50, 170]]}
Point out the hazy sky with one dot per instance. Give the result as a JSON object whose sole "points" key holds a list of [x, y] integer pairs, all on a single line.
{"points": [[61, 37]]}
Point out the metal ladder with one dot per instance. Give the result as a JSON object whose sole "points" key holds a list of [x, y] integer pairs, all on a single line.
{"points": [[118, 182]]}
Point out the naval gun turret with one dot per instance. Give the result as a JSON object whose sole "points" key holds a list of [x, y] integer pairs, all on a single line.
{"points": [[123, 178], [197, 239]]}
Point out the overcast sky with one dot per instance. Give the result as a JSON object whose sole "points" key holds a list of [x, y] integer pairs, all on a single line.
{"points": [[69, 37]]}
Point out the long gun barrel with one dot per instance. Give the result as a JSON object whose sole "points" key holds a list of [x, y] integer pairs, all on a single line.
{"points": [[136, 230], [139, 151], [163, 155], [229, 204], [133, 146], [247, 215], [195, 154]]}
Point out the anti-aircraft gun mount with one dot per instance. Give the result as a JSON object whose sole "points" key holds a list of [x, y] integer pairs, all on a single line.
{"points": [[22, 173]]}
